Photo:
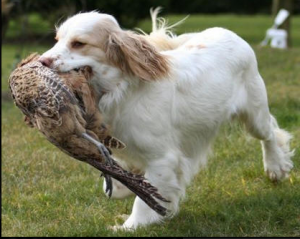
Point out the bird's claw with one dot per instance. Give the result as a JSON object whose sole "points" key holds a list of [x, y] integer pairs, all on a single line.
{"points": [[109, 185], [104, 151]]}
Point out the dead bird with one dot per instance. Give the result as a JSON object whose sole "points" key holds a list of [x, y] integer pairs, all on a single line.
{"points": [[62, 106]]}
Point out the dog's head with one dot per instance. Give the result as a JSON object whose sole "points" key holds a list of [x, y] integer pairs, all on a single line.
{"points": [[96, 40]]}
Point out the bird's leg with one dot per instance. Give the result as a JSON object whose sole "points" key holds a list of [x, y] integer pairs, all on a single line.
{"points": [[103, 150]]}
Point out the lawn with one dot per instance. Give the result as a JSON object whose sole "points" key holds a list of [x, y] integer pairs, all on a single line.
{"points": [[46, 193]]}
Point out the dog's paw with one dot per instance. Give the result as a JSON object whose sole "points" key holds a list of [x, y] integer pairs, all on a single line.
{"points": [[120, 219], [280, 169], [119, 191]]}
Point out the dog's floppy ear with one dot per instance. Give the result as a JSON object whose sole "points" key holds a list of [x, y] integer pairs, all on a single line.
{"points": [[134, 55]]}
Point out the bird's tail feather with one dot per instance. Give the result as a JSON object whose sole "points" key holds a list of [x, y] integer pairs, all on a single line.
{"points": [[136, 183]]}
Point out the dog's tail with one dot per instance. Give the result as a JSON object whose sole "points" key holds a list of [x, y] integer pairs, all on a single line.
{"points": [[162, 34], [160, 24]]}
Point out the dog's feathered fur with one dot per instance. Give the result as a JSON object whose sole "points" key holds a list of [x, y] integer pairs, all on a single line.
{"points": [[165, 97]]}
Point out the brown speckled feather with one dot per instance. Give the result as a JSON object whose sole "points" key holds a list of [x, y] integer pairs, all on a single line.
{"points": [[62, 106]]}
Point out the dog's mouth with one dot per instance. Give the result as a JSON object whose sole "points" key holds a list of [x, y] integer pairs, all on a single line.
{"points": [[83, 68], [87, 71]]}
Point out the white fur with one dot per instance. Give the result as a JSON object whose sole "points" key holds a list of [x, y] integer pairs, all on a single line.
{"points": [[169, 124]]}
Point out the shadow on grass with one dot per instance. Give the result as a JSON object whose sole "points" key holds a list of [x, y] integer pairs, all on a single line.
{"points": [[264, 214]]}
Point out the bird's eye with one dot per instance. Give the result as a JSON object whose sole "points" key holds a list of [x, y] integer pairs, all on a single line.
{"points": [[77, 44]]}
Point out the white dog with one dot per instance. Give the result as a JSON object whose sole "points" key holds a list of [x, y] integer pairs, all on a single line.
{"points": [[165, 97]]}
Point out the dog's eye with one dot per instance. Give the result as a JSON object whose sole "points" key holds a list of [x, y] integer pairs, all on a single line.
{"points": [[77, 44]]}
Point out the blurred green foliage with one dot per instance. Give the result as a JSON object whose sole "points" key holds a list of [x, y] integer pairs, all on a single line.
{"points": [[29, 19]]}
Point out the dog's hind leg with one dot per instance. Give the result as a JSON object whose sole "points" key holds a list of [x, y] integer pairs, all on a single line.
{"points": [[119, 191], [262, 125]]}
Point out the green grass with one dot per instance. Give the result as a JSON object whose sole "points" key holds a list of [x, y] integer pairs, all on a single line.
{"points": [[46, 193]]}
